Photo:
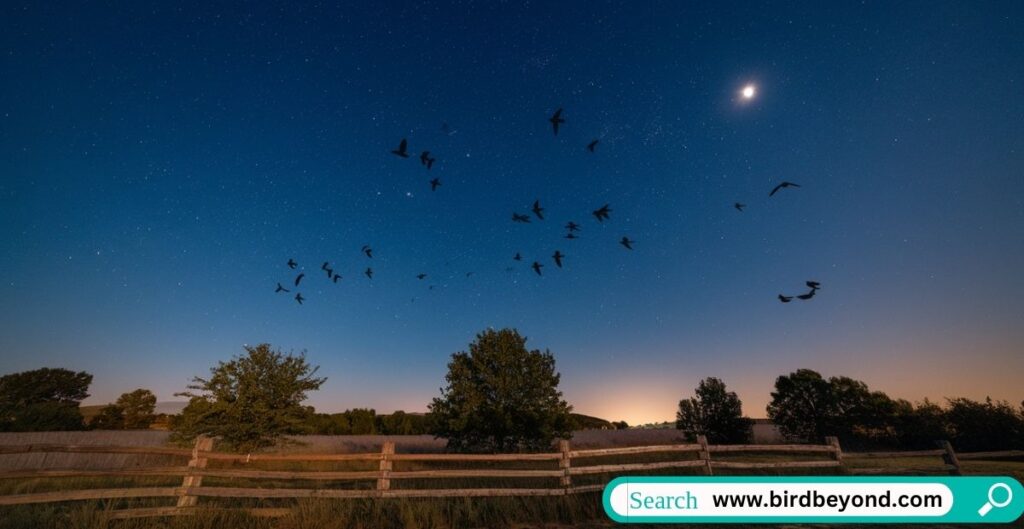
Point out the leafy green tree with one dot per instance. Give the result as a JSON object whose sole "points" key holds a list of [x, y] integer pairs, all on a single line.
{"points": [[918, 427], [621, 425], [501, 397], [715, 413], [981, 426], [251, 401], [110, 417], [137, 407], [44, 399], [806, 406], [363, 421]]}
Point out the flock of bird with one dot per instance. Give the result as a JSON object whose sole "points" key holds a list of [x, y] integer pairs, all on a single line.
{"points": [[602, 214]]}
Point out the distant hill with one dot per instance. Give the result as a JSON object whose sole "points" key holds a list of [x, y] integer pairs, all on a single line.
{"points": [[586, 422]]}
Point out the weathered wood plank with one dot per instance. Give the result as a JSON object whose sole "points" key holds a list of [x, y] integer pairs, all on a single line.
{"points": [[770, 448], [477, 457], [785, 464], [87, 449], [89, 494], [990, 455], [634, 450], [74, 473], [152, 512], [889, 455], [628, 467], [482, 473]]}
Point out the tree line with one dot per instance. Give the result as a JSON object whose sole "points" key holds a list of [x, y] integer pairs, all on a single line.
{"points": [[499, 396]]}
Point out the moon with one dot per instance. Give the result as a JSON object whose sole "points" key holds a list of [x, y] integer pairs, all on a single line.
{"points": [[749, 92]]}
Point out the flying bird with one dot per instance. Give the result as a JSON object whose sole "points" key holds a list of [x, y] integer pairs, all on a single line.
{"points": [[369, 273], [292, 264], [738, 206], [434, 184], [814, 285], [426, 160], [368, 251], [571, 235], [808, 295], [556, 119], [627, 243], [536, 267], [537, 210], [525, 219], [783, 185], [572, 226], [298, 278], [281, 289], [785, 299], [336, 277], [602, 213], [558, 258], [421, 276], [401, 151], [591, 145], [326, 268], [299, 298], [517, 257]]}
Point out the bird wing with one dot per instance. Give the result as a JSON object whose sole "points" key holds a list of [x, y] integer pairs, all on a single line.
{"points": [[778, 187]]}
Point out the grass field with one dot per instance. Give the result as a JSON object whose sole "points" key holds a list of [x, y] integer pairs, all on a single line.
{"points": [[582, 510]]}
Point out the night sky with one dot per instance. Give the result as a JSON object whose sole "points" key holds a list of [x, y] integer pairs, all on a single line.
{"points": [[161, 162]]}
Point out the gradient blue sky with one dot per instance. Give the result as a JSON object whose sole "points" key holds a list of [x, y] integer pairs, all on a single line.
{"points": [[160, 162]]}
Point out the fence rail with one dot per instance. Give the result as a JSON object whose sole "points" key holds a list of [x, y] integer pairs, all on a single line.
{"points": [[382, 478]]}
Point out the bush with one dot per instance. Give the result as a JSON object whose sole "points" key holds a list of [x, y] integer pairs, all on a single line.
{"points": [[981, 426]]}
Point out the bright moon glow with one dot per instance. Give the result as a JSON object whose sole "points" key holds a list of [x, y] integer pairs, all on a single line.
{"points": [[749, 91]]}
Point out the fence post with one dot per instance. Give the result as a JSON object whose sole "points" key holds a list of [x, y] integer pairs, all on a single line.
{"points": [[386, 451], [564, 464], [203, 444], [950, 457], [837, 454], [705, 454]]}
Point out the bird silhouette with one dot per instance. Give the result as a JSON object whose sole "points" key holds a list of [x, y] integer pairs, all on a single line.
{"points": [[591, 145], [738, 206], [281, 289], [558, 258], [602, 213], [525, 219], [434, 184], [298, 278], [402, 149], [329, 272], [368, 251], [537, 210], [536, 267], [814, 285], [517, 257], [808, 295], [572, 226], [325, 265], [785, 299], [335, 277], [426, 160], [299, 298], [627, 243], [469, 274], [571, 235], [369, 273], [326, 268], [421, 276], [556, 119], [292, 264], [783, 185]]}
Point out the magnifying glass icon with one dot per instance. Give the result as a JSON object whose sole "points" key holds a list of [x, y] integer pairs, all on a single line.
{"points": [[993, 503]]}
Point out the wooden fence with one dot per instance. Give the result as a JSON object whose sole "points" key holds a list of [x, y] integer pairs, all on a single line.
{"points": [[829, 455]]}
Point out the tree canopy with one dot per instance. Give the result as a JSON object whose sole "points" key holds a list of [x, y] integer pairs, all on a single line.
{"points": [[250, 401], [44, 399], [715, 413], [501, 397]]}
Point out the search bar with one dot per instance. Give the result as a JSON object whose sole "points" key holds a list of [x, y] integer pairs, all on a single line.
{"points": [[831, 499]]}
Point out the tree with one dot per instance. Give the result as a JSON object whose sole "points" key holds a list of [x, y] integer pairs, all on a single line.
{"points": [[715, 413], [806, 406], [44, 399], [982, 426], [251, 401], [110, 417], [137, 407], [500, 397]]}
